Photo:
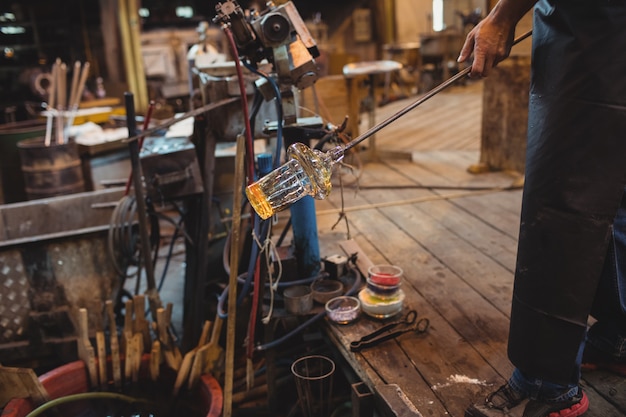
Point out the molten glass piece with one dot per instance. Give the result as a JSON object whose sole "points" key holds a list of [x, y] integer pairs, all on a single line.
{"points": [[306, 172]]}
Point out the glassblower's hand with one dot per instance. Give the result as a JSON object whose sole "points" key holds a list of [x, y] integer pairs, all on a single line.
{"points": [[489, 43]]}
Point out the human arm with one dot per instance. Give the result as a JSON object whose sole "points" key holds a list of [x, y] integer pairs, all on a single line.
{"points": [[491, 40]]}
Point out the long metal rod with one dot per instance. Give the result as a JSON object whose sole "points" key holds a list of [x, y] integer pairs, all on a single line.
{"points": [[420, 100], [192, 113]]}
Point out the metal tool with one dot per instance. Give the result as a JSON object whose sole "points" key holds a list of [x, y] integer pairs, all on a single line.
{"points": [[391, 331], [419, 101]]}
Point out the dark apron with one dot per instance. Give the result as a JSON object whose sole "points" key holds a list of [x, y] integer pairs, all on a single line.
{"points": [[575, 178]]}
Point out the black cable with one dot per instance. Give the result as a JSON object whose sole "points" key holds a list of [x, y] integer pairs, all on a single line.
{"points": [[121, 239], [355, 286], [169, 256]]}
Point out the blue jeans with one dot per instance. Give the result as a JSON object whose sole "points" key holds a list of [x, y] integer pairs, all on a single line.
{"points": [[539, 389], [608, 334]]}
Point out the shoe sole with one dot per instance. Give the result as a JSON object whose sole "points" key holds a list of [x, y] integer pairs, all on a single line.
{"points": [[576, 410]]}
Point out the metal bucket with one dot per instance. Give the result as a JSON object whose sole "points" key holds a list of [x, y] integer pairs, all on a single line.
{"points": [[12, 189], [52, 170]]}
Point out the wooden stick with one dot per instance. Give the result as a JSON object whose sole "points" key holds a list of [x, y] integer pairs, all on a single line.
{"points": [[114, 345], [171, 353], [169, 308], [62, 91], [127, 335], [85, 349], [128, 320], [74, 86], [75, 101], [140, 325], [81, 85], [155, 360], [102, 359], [61, 96], [197, 366], [185, 368], [232, 281], [198, 359], [21, 383], [137, 351], [53, 85], [209, 356], [51, 103]]}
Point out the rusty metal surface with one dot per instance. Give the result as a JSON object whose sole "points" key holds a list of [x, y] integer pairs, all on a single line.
{"points": [[53, 217], [14, 301], [53, 261]]}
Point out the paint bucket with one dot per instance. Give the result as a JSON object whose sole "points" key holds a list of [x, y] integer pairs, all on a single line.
{"points": [[12, 189], [51, 170]]}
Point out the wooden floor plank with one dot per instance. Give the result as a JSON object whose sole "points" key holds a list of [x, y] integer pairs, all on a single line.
{"points": [[449, 120], [452, 276], [425, 278], [436, 355]]}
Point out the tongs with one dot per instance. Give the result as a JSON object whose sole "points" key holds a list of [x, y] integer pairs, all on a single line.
{"points": [[391, 331]]}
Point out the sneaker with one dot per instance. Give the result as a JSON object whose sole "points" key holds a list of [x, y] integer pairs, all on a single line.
{"points": [[572, 407], [506, 402], [594, 359]]}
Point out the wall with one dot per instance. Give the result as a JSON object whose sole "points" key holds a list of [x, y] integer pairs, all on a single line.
{"points": [[415, 17], [412, 18]]}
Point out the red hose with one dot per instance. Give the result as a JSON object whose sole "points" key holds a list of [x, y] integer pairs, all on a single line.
{"points": [[250, 160], [244, 105]]}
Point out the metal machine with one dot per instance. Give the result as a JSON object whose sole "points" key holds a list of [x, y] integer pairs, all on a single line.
{"points": [[278, 35]]}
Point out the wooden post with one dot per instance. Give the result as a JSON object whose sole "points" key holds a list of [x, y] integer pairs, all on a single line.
{"points": [[232, 282], [131, 50], [505, 117]]}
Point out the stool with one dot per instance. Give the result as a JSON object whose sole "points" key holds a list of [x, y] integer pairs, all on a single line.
{"points": [[408, 54]]}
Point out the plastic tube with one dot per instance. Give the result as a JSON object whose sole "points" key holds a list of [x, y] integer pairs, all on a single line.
{"points": [[83, 396]]}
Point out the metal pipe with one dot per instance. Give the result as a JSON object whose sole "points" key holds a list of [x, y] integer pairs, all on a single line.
{"points": [[419, 101], [133, 146]]}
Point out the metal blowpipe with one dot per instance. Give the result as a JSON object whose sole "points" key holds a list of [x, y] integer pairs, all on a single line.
{"points": [[308, 171]]}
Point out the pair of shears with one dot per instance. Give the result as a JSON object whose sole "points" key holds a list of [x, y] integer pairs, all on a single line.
{"points": [[391, 331]]}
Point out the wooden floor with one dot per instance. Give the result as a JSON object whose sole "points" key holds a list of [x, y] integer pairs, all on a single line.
{"points": [[455, 236]]}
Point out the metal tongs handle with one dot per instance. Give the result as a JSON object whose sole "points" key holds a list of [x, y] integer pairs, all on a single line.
{"points": [[386, 333], [420, 100]]}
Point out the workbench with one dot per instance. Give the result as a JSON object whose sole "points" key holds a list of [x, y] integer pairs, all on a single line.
{"points": [[455, 236]]}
